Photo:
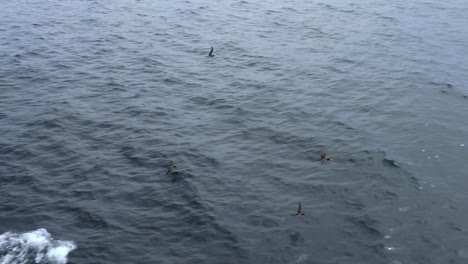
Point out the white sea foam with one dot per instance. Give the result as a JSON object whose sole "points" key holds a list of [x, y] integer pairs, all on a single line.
{"points": [[390, 248], [33, 247]]}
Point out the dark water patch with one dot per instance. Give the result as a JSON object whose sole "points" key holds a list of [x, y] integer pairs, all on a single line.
{"points": [[430, 241], [391, 163], [339, 9], [386, 17], [367, 225], [335, 69], [193, 222], [449, 89], [373, 158], [202, 159], [179, 177], [263, 221], [18, 176], [50, 123], [207, 102], [455, 227], [131, 153], [15, 152], [83, 195], [145, 197], [356, 205], [339, 124], [296, 238], [84, 218], [344, 61]]}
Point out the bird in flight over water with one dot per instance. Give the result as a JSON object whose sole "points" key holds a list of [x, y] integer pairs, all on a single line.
{"points": [[324, 157], [299, 210], [211, 52], [170, 169]]}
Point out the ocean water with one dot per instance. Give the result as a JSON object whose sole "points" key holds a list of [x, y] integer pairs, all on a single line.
{"points": [[98, 98]]}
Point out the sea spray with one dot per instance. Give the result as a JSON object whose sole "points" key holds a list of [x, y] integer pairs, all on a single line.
{"points": [[33, 247]]}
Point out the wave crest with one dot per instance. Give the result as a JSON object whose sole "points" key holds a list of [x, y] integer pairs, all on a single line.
{"points": [[33, 247]]}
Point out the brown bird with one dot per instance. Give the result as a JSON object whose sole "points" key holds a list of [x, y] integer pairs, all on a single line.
{"points": [[170, 169], [299, 210], [324, 157]]}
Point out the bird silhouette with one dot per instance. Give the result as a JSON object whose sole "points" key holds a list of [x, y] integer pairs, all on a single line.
{"points": [[211, 52], [170, 169], [299, 210], [324, 157]]}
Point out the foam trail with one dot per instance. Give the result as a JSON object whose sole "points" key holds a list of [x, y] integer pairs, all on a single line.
{"points": [[33, 247]]}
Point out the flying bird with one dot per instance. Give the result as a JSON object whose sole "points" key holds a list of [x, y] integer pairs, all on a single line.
{"points": [[211, 52], [170, 169], [299, 210], [324, 157]]}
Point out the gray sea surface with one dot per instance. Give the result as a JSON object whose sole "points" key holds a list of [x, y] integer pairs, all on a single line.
{"points": [[98, 98]]}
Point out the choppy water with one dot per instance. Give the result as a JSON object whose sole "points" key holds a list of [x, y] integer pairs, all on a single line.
{"points": [[99, 97]]}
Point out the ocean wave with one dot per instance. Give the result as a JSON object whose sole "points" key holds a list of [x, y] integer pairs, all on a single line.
{"points": [[33, 247]]}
